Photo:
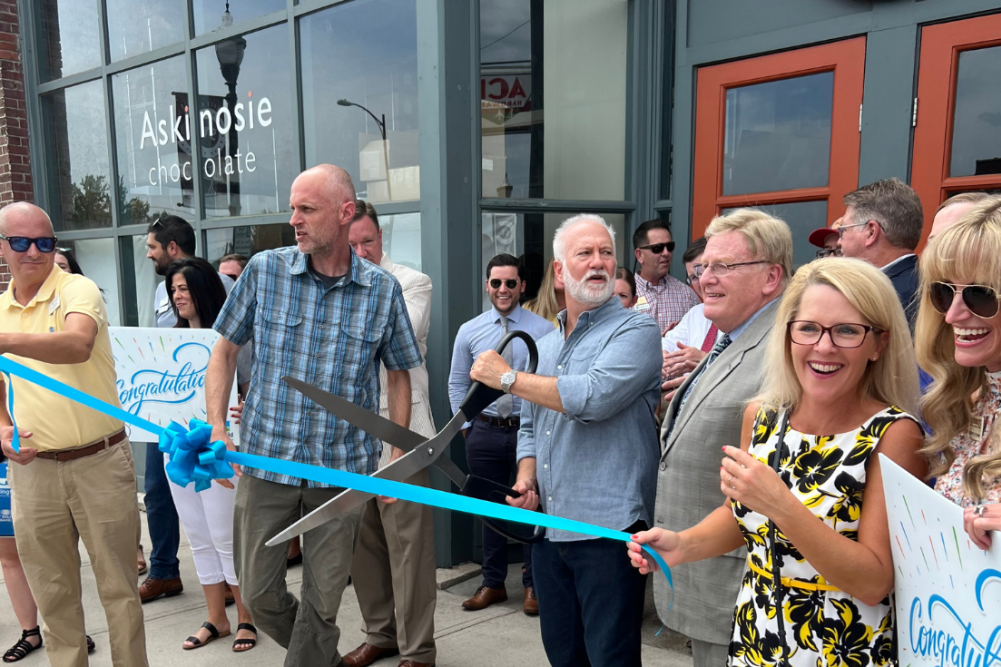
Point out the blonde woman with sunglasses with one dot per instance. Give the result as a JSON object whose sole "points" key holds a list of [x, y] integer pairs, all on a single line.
{"points": [[958, 341]]}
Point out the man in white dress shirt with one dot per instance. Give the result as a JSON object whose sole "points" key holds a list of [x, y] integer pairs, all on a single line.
{"points": [[686, 344], [394, 567]]}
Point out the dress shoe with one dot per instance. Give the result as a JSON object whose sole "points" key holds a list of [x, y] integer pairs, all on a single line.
{"points": [[366, 654], [484, 597], [411, 663], [151, 589], [531, 605]]}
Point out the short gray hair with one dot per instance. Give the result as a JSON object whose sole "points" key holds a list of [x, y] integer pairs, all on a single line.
{"points": [[892, 204], [560, 241], [767, 237]]}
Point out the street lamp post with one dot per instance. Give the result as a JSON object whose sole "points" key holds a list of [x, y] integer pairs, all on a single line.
{"points": [[230, 56], [382, 130]]}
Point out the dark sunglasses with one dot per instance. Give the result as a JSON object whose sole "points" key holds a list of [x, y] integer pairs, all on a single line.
{"points": [[44, 244], [981, 300], [510, 282], [658, 248]]}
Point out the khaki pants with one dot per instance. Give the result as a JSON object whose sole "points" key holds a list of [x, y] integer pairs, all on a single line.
{"points": [[55, 505], [394, 576], [308, 629]]}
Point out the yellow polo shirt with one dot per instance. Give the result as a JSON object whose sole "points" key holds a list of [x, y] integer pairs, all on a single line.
{"points": [[55, 421]]}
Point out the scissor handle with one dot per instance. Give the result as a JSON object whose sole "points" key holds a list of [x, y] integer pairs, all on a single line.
{"points": [[480, 395], [478, 487]]}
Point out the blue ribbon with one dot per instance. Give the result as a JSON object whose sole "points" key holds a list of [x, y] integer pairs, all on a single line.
{"points": [[194, 458]]}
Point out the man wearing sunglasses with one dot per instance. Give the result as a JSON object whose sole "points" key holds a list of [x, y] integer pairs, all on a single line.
{"points": [[882, 225], [492, 438], [75, 477], [662, 296]]}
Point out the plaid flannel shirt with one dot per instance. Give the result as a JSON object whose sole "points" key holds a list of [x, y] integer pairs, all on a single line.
{"points": [[669, 300], [333, 338]]}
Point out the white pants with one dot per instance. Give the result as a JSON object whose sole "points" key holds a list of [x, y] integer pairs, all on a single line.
{"points": [[207, 517]]}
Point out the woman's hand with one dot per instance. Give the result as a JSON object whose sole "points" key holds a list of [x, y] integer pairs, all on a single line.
{"points": [[236, 413], [664, 542], [978, 526], [752, 483]]}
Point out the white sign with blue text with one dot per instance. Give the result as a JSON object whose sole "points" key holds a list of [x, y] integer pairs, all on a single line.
{"points": [[948, 590], [161, 374]]}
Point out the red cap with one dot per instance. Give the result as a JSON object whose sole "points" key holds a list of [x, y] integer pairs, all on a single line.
{"points": [[818, 236]]}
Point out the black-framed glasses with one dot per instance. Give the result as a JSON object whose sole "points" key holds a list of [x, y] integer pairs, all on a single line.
{"points": [[828, 252], [44, 244], [981, 300], [658, 248], [846, 335], [721, 269], [510, 283]]}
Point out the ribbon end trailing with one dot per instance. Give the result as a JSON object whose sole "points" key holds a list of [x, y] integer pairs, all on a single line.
{"points": [[193, 458]]}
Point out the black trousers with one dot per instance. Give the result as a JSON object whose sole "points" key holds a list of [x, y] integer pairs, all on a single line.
{"points": [[491, 453]]}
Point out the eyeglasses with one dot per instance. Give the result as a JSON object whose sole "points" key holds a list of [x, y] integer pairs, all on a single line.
{"points": [[980, 299], [658, 248], [842, 228], [511, 283], [44, 244], [720, 269], [696, 273], [847, 336], [828, 252]]}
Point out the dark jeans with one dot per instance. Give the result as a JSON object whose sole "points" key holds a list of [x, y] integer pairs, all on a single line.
{"points": [[590, 603], [164, 530], [490, 453]]}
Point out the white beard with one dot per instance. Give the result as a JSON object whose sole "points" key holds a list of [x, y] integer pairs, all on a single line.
{"points": [[590, 295]]}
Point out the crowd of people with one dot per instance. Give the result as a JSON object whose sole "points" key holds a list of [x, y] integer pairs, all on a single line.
{"points": [[730, 421]]}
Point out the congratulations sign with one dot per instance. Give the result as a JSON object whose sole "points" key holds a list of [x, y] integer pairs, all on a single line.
{"points": [[948, 590], [161, 374]]}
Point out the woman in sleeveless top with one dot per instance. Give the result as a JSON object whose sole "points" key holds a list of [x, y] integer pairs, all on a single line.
{"points": [[803, 492]]}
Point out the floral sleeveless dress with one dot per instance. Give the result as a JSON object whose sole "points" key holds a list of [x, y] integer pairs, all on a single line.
{"points": [[823, 627]]}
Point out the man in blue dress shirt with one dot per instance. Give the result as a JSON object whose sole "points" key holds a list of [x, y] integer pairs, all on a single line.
{"points": [[492, 438], [588, 449]]}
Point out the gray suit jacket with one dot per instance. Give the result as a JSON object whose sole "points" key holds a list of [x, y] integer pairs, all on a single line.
{"points": [[705, 593]]}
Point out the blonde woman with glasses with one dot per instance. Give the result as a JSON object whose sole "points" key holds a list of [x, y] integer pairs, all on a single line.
{"points": [[958, 341], [803, 489]]}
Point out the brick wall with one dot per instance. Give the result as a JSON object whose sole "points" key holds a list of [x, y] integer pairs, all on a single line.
{"points": [[15, 165]]}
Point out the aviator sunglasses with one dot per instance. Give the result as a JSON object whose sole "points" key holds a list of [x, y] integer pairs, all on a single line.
{"points": [[658, 248], [511, 283], [44, 244], [981, 300]]}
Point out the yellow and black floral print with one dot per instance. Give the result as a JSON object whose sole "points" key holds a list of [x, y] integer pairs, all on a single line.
{"points": [[823, 628]]}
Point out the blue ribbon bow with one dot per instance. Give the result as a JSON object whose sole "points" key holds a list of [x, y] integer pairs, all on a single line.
{"points": [[193, 457]]}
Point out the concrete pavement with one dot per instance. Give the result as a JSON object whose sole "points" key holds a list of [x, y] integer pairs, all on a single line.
{"points": [[498, 636]]}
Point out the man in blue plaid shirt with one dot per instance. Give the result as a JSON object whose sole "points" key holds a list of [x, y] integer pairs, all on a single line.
{"points": [[318, 313]]}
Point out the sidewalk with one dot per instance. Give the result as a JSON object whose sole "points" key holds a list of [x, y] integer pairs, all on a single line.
{"points": [[498, 636]]}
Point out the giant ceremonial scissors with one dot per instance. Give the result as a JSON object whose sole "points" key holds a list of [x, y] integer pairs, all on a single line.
{"points": [[421, 452]]}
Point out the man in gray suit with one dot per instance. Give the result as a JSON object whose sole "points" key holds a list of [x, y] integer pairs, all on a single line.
{"points": [[393, 568], [747, 263]]}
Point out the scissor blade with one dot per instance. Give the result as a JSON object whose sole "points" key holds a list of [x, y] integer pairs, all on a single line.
{"points": [[375, 425], [399, 470]]}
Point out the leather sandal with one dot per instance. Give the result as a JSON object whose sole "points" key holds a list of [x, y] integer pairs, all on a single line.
{"points": [[197, 643], [23, 647], [245, 644], [143, 568]]}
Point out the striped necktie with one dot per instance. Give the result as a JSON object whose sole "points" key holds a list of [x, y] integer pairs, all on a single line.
{"points": [[717, 350]]}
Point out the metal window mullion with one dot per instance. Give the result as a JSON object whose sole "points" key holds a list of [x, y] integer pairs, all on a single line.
{"points": [[556, 206], [310, 6], [191, 71], [71, 80], [295, 62], [244, 221], [32, 102], [242, 28]]}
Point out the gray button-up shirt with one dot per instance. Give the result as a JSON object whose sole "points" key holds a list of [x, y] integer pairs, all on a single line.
{"points": [[598, 462]]}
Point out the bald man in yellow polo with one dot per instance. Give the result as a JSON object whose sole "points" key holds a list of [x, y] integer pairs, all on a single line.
{"points": [[74, 477]]}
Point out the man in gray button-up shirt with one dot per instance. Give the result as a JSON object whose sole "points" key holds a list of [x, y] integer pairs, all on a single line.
{"points": [[588, 450]]}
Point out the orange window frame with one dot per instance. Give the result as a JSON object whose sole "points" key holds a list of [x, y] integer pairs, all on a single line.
{"points": [[845, 58], [938, 69]]}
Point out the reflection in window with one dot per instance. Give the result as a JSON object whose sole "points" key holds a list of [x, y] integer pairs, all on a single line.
{"points": [[802, 218], [245, 124], [778, 135], [401, 238], [79, 188], [529, 237], [211, 15], [976, 134], [154, 152], [68, 38], [583, 47], [375, 73], [140, 26], [139, 282], [96, 260], [246, 241]]}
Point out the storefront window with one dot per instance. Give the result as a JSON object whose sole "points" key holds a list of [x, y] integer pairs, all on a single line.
{"points": [[359, 90], [68, 38], [245, 123], [140, 26], [154, 152], [802, 217], [976, 133], [246, 241], [553, 98], [79, 187], [211, 15], [95, 257], [139, 281]]}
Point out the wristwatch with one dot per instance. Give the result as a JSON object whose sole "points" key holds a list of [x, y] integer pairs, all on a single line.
{"points": [[507, 380]]}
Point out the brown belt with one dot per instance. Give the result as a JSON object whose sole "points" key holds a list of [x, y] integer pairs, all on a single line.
{"points": [[86, 450]]}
